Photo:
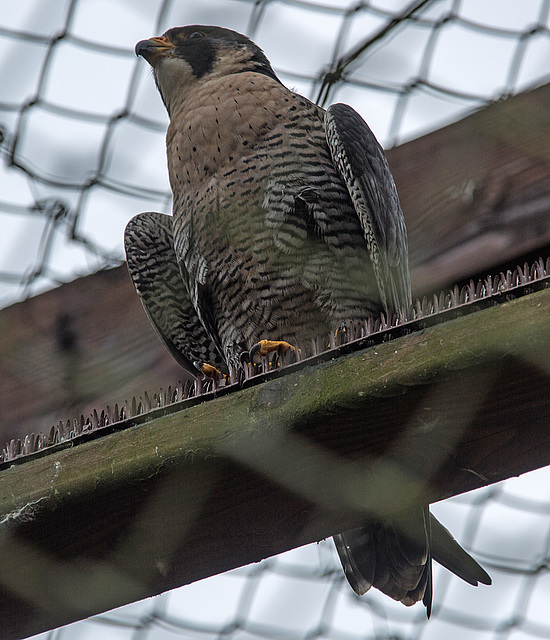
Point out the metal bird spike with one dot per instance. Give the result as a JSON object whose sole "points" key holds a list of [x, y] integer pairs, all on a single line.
{"points": [[490, 291]]}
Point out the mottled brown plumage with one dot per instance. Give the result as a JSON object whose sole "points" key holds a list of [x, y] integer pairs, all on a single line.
{"points": [[286, 224]]}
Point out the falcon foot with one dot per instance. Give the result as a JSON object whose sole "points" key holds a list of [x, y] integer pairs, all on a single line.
{"points": [[266, 347], [340, 335], [210, 371]]}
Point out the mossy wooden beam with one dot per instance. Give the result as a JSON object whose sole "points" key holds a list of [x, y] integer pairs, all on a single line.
{"points": [[272, 467]]}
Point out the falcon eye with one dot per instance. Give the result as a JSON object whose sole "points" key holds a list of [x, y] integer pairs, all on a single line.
{"points": [[197, 34]]}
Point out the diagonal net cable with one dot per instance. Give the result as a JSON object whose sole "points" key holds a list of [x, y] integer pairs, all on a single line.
{"points": [[82, 149], [82, 128]]}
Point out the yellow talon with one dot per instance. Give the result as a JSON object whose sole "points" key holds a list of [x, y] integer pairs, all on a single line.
{"points": [[265, 347], [268, 346], [210, 371]]}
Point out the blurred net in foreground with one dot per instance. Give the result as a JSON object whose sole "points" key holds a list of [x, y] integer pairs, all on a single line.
{"points": [[83, 151], [83, 127], [302, 594]]}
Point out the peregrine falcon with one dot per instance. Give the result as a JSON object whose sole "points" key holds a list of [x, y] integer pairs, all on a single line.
{"points": [[286, 225]]}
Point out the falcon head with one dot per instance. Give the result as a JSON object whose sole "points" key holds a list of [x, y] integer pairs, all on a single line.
{"points": [[186, 56]]}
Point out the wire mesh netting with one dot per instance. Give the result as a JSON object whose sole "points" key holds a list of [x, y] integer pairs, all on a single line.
{"points": [[82, 131], [83, 127]]}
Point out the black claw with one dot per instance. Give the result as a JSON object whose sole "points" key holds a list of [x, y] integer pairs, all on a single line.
{"points": [[197, 365], [245, 357], [253, 351]]}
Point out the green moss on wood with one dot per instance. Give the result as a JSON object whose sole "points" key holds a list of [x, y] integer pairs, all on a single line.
{"points": [[518, 328]]}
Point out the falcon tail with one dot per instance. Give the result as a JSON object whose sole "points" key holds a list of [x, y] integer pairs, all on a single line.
{"points": [[396, 557]]}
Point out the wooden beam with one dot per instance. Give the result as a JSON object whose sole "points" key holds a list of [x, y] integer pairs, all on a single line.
{"points": [[476, 194], [268, 468]]}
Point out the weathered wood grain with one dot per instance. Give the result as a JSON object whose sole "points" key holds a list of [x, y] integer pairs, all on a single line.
{"points": [[476, 194], [260, 471]]}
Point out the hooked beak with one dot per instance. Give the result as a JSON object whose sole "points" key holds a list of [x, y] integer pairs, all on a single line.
{"points": [[153, 47]]}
